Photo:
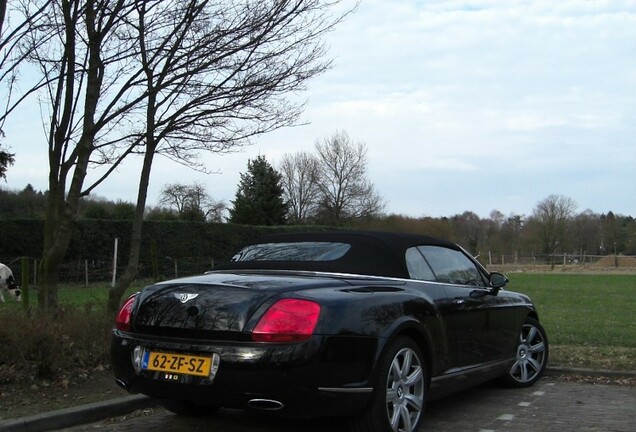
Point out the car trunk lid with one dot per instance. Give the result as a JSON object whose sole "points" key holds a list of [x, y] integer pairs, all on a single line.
{"points": [[216, 305]]}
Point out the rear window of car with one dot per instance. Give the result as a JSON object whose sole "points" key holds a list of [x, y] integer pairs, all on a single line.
{"points": [[293, 251]]}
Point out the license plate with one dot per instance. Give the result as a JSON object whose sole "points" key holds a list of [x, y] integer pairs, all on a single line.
{"points": [[177, 363]]}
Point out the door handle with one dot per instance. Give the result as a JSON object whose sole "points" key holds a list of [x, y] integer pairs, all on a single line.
{"points": [[459, 302]]}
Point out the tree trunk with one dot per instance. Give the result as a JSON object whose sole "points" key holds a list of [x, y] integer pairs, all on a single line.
{"points": [[132, 268], [115, 293], [58, 240], [62, 206], [3, 11]]}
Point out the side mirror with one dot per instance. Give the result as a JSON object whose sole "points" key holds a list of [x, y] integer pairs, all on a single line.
{"points": [[497, 280]]}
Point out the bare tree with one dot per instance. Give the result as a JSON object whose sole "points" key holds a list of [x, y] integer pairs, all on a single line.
{"points": [[511, 232], [201, 202], [217, 74], [301, 192], [192, 199], [586, 233], [26, 17], [81, 60], [3, 12], [551, 217], [469, 231], [611, 227], [175, 195], [341, 176], [128, 77], [10, 60]]}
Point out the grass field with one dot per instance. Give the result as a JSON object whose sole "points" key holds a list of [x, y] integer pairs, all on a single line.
{"points": [[583, 309], [589, 318], [78, 295]]}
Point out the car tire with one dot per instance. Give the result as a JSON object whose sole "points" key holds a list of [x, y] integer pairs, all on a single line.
{"points": [[188, 408], [531, 355], [399, 395]]}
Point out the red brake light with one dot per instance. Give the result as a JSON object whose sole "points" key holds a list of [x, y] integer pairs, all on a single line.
{"points": [[122, 322], [287, 320]]}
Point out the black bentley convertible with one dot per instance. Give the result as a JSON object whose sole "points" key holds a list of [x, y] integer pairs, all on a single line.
{"points": [[357, 324]]}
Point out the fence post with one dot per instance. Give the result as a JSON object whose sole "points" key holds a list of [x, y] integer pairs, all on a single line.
{"points": [[86, 270], [155, 260], [24, 289], [615, 256], [115, 263]]}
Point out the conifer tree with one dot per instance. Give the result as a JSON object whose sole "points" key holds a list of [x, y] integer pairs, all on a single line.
{"points": [[259, 198]]}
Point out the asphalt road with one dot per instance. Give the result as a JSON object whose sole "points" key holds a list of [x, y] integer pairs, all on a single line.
{"points": [[550, 405]]}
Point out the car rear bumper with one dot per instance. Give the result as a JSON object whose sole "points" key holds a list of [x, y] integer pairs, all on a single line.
{"points": [[324, 376]]}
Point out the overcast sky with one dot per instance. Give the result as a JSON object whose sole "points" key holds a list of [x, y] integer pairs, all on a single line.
{"points": [[463, 105]]}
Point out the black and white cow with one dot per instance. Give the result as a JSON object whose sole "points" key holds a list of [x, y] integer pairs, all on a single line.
{"points": [[7, 284]]}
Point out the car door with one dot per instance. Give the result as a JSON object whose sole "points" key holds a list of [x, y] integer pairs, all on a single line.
{"points": [[477, 325]]}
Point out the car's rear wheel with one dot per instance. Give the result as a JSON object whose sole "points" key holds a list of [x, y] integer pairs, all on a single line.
{"points": [[399, 394], [188, 408], [531, 355]]}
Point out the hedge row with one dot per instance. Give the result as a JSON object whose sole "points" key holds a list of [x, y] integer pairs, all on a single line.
{"points": [[94, 239]]}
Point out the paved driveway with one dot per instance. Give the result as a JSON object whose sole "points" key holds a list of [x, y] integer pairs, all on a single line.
{"points": [[550, 405]]}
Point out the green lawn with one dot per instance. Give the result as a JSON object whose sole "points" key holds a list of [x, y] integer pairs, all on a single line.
{"points": [[78, 295], [590, 319]]}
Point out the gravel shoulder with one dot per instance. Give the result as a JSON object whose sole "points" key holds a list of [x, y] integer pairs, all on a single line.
{"points": [[29, 397]]}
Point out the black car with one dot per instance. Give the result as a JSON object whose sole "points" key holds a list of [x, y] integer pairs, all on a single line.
{"points": [[358, 324]]}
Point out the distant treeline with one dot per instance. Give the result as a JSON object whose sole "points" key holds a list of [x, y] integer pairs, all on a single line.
{"points": [[100, 221], [585, 234]]}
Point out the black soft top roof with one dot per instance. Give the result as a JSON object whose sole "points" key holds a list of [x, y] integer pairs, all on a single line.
{"points": [[371, 253]]}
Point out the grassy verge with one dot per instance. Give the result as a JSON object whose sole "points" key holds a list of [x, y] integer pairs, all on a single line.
{"points": [[589, 318], [594, 357]]}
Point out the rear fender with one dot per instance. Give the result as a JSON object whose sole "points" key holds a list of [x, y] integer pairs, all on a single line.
{"points": [[421, 335]]}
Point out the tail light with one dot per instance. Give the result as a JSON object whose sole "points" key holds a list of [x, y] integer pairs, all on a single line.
{"points": [[122, 322], [288, 320]]}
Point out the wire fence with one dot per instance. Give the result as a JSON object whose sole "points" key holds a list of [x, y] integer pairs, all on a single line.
{"points": [[90, 271], [580, 261]]}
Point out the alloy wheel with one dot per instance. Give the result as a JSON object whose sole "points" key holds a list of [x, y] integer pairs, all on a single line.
{"points": [[405, 391], [531, 355]]}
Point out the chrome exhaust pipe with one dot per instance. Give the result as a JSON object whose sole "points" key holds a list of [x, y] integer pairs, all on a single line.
{"points": [[265, 404], [123, 384]]}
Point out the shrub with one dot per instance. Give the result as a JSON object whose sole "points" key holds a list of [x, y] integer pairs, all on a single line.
{"points": [[39, 344]]}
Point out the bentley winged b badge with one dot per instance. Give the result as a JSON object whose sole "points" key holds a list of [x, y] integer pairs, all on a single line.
{"points": [[183, 297]]}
